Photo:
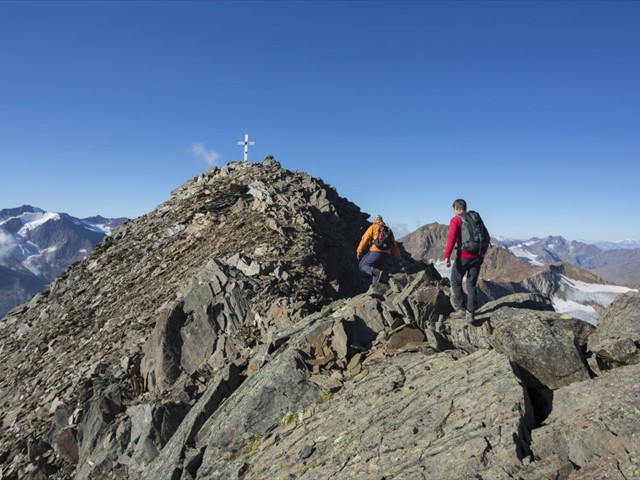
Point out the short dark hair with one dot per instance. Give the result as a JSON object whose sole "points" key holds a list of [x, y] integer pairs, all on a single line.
{"points": [[460, 204]]}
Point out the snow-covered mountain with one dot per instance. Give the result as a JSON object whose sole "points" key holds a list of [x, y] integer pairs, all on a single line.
{"points": [[620, 265], [36, 246]]}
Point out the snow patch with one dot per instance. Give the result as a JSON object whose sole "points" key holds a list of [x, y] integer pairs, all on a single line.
{"points": [[576, 310], [94, 227], [442, 269], [573, 295], [32, 221], [106, 229], [31, 264], [15, 248], [525, 255]]}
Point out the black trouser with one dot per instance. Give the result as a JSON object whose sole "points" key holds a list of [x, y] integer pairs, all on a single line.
{"points": [[470, 267], [371, 261]]}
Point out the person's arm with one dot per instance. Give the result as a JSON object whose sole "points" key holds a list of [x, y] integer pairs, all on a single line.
{"points": [[454, 227], [365, 242]]}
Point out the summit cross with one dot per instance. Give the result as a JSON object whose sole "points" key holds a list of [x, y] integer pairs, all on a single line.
{"points": [[246, 144]]}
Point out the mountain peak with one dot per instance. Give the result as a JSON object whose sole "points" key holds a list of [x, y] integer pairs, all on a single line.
{"points": [[282, 243], [14, 212]]}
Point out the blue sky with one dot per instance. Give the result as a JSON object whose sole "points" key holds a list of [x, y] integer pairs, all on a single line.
{"points": [[529, 110]]}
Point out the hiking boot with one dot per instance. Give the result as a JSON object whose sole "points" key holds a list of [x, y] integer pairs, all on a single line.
{"points": [[377, 275], [470, 317], [458, 313]]}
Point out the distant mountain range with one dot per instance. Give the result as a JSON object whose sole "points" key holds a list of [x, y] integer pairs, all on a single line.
{"points": [[577, 276], [36, 246], [617, 262], [619, 265], [625, 244]]}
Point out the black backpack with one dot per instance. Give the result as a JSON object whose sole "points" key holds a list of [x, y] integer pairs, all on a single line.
{"points": [[475, 236], [384, 239]]}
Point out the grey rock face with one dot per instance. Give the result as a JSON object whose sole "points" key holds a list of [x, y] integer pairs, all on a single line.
{"points": [[618, 335], [540, 344], [529, 301], [412, 416], [593, 426]]}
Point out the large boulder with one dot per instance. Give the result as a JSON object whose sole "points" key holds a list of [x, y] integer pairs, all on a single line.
{"points": [[617, 336], [97, 439], [258, 404], [529, 301], [544, 345], [455, 332]]}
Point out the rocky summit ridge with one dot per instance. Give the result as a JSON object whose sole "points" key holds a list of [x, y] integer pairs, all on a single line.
{"points": [[229, 335]]}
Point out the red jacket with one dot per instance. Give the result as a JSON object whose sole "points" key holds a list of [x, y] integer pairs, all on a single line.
{"points": [[455, 238]]}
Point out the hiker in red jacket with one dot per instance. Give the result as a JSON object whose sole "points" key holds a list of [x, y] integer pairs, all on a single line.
{"points": [[372, 262], [466, 262]]}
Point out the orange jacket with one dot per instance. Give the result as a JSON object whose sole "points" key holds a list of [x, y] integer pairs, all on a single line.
{"points": [[367, 242]]}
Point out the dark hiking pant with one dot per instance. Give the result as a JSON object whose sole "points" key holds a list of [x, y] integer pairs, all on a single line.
{"points": [[371, 261], [470, 267]]}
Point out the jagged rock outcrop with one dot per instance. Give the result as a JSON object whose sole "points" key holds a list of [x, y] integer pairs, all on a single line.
{"points": [[229, 335]]}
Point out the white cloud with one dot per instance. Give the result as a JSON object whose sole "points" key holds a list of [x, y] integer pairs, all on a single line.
{"points": [[400, 230], [7, 242], [209, 156]]}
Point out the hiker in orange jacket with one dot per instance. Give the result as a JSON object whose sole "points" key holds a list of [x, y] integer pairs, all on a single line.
{"points": [[372, 262]]}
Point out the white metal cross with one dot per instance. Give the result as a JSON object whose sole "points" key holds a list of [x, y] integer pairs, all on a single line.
{"points": [[246, 144]]}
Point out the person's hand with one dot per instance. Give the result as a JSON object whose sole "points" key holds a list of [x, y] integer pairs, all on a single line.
{"points": [[447, 262]]}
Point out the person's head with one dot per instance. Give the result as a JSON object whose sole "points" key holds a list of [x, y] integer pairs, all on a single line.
{"points": [[459, 206], [377, 218]]}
